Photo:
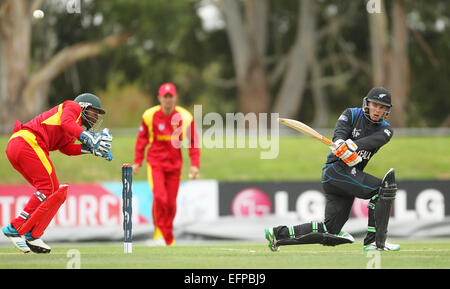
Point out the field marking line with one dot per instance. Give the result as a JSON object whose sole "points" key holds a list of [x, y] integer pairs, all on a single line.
{"points": [[234, 249]]}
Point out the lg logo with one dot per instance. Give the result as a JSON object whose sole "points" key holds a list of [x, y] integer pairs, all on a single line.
{"points": [[251, 202]]}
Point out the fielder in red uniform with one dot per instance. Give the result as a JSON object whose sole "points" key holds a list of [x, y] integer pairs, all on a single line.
{"points": [[28, 152], [163, 128]]}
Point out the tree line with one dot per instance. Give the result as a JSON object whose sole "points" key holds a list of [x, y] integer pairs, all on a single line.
{"points": [[305, 59]]}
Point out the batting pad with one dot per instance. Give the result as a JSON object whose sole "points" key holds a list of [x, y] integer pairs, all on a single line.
{"points": [[42, 216], [325, 239]]}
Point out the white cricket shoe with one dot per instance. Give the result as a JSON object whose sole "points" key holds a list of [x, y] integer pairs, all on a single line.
{"points": [[15, 238], [387, 247], [158, 242], [36, 244]]}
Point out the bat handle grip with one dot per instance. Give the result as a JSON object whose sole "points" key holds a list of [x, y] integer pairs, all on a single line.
{"points": [[328, 142]]}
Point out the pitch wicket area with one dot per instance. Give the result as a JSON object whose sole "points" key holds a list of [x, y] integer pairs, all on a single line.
{"points": [[423, 254]]}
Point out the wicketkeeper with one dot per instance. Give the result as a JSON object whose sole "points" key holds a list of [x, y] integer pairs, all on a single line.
{"points": [[28, 152], [163, 128], [359, 134]]}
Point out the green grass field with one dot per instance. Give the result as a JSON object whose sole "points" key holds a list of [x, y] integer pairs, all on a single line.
{"points": [[419, 254], [299, 158]]}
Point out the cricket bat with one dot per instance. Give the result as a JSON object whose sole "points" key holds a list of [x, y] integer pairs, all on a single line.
{"points": [[303, 128]]}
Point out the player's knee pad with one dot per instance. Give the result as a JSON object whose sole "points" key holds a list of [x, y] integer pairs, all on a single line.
{"points": [[388, 189]]}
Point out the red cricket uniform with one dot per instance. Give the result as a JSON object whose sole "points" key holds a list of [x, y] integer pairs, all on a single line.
{"points": [[29, 146], [164, 161]]}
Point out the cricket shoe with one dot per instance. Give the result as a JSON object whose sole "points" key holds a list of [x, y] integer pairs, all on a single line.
{"points": [[387, 247], [158, 242], [36, 244], [15, 238], [270, 237]]}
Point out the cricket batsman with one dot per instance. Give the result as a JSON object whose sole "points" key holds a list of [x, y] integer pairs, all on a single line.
{"points": [[359, 134], [28, 152], [163, 128]]}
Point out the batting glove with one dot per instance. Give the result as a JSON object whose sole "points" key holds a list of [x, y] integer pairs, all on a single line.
{"points": [[346, 151]]}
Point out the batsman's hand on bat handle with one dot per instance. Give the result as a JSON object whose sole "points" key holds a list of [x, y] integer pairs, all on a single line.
{"points": [[346, 151], [193, 172], [343, 149]]}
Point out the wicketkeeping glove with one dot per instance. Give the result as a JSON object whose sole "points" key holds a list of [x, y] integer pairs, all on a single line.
{"points": [[99, 144], [346, 151], [104, 153], [94, 140]]}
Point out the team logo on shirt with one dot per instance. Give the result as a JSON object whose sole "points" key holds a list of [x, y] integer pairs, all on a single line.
{"points": [[356, 132], [343, 117], [388, 132], [365, 155], [161, 126]]}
